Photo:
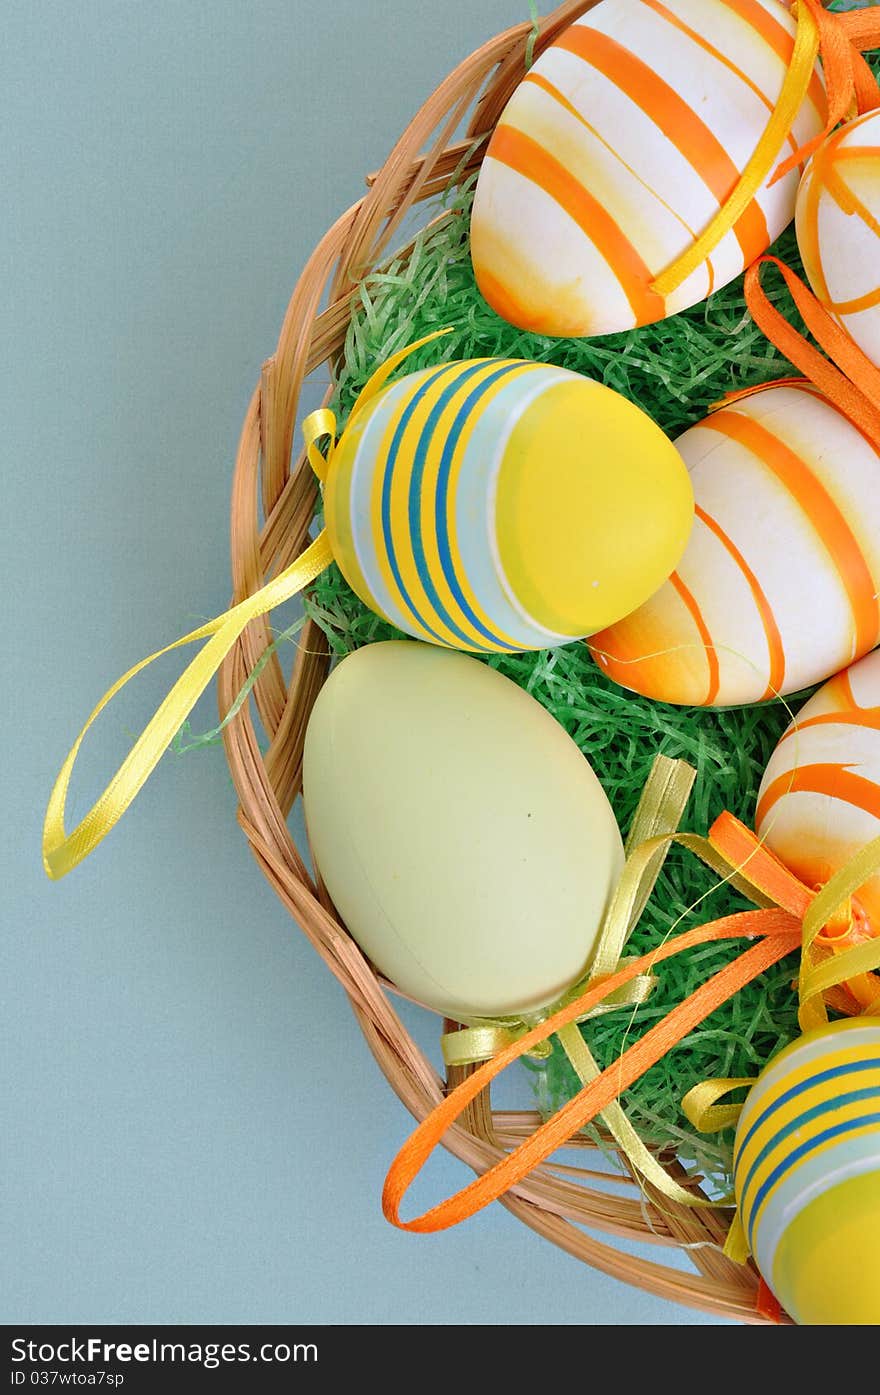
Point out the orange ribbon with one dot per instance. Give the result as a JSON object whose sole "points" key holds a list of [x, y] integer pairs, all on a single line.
{"points": [[850, 85], [851, 381], [778, 931]]}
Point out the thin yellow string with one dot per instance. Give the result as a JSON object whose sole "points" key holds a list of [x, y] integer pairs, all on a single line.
{"points": [[782, 119]]}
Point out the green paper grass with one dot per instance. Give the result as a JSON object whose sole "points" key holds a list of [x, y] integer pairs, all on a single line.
{"points": [[675, 371]]}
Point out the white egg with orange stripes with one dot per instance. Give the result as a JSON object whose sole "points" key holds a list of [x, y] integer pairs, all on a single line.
{"points": [[838, 229], [616, 151], [778, 586], [819, 800]]}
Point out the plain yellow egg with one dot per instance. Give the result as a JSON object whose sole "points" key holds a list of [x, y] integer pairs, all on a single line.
{"points": [[463, 837]]}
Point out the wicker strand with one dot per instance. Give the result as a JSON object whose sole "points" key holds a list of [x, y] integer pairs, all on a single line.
{"points": [[562, 1203]]}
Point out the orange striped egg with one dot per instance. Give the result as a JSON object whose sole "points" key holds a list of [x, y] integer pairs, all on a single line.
{"points": [[819, 800], [616, 151], [838, 228], [778, 584]]}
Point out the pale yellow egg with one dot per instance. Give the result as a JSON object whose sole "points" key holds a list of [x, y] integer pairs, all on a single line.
{"points": [[464, 838]]}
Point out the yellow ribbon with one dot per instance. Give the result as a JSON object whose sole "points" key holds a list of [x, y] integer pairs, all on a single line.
{"points": [[815, 980], [791, 97], [484, 1038], [700, 1105], [652, 833], [62, 851]]}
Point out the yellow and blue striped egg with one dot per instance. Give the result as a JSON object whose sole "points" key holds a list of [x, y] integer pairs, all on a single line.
{"points": [[497, 504], [778, 586], [838, 229], [615, 153], [807, 1174]]}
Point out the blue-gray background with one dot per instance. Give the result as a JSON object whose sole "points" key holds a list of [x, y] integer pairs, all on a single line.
{"points": [[193, 1129]]}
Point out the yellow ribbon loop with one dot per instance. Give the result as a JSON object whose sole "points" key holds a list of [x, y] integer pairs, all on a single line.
{"points": [[700, 1105], [323, 422], [316, 426], [62, 851], [791, 97], [637, 1154], [481, 1040], [816, 978], [470, 1045]]}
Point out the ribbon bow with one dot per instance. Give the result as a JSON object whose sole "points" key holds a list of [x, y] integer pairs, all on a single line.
{"points": [[790, 916], [836, 971], [850, 88], [849, 83]]}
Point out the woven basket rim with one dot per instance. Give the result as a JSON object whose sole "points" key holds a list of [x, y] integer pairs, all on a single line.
{"points": [[555, 1201]]}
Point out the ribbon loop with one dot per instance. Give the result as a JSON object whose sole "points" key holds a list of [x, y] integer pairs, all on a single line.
{"points": [[849, 83], [778, 930], [777, 934], [700, 1105], [850, 380], [62, 851], [316, 426]]}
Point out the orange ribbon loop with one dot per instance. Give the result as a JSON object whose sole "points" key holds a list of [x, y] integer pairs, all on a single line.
{"points": [[779, 935], [851, 381], [741, 848], [849, 83]]}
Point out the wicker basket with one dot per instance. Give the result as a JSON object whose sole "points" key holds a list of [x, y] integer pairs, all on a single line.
{"points": [[556, 1202]]}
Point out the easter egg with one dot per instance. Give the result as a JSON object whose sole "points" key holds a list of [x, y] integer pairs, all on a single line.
{"points": [[617, 150], [778, 585], [819, 800], [464, 839], [807, 1174], [838, 229], [504, 505]]}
